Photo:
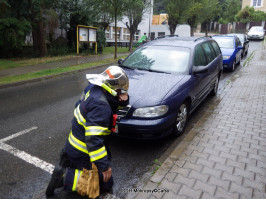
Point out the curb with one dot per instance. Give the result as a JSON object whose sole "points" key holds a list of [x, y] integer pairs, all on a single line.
{"points": [[50, 76]]}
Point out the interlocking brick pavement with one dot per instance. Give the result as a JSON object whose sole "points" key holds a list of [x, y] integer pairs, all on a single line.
{"points": [[226, 157]]}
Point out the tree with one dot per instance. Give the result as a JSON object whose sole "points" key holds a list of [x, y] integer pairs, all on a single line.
{"points": [[134, 11], [175, 10], [210, 10], [229, 10], [115, 9], [192, 14], [249, 14]]}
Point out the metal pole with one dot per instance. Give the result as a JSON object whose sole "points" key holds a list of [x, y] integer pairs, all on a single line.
{"points": [[77, 40]]}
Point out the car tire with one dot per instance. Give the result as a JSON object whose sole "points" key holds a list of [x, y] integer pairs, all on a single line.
{"points": [[215, 87], [181, 119], [233, 66]]}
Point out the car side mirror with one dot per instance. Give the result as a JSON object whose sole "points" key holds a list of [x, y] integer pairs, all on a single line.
{"points": [[200, 70], [120, 61]]}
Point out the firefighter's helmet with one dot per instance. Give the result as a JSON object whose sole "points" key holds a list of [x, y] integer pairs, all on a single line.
{"points": [[114, 77]]}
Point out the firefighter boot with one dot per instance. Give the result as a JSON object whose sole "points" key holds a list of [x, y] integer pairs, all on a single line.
{"points": [[56, 181]]}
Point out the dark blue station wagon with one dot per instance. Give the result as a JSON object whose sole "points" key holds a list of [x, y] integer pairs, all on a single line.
{"points": [[168, 78]]}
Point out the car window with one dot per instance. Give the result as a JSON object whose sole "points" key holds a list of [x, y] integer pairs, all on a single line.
{"points": [[227, 43], [216, 48], [167, 59], [208, 52], [199, 56]]}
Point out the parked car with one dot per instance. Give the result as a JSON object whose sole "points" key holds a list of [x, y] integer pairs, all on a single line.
{"points": [[256, 32], [244, 41], [231, 48], [168, 78]]}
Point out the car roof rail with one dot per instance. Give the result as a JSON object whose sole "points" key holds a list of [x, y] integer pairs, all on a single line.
{"points": [[165, 36], [200, 38]]}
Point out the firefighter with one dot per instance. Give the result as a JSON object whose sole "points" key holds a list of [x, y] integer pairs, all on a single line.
{"points": [[94, 120]]}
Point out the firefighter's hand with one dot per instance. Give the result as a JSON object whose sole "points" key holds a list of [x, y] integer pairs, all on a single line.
{"points": [[107, 175], [123, 97]]}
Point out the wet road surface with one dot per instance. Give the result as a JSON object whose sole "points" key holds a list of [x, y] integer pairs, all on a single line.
{"points": [[47, 108]]}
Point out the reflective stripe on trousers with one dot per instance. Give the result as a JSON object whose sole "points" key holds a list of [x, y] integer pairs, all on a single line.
{"points": [[78, 173]]}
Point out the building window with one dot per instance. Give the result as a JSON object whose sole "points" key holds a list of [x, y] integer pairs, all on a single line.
{"points": [[136, 36], [161, 34], [126, 34], [107, 33], [256, 3], [152, 35], [117, 31]]}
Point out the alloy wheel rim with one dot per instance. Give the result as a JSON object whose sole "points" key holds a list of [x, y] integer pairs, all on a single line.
{"points": [[181, 117]]}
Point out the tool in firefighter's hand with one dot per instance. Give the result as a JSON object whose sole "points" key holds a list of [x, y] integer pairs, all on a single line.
{"points": [[88, 183], [98, 79]]}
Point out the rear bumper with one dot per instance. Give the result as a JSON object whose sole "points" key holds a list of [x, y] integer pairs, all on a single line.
{"points": [[145, 128], [255, 37]]}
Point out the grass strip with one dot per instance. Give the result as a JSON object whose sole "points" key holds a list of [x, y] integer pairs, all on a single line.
{"points": [[49, 72], [13, 63]]}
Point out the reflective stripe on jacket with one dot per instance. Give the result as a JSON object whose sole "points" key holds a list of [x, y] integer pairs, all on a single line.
{"points": [[91, 128]]}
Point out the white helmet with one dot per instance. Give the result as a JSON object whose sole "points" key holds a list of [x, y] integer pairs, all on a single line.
{"points": [[111, 79]]}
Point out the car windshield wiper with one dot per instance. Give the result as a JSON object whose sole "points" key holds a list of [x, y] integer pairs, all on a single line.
{"points": [[125, 66], [158, 71]]}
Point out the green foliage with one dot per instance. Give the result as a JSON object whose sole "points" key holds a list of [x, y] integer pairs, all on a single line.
{"points": [[175, 10], [229, 9], [12, 33], [101, 40], [249, 14]]}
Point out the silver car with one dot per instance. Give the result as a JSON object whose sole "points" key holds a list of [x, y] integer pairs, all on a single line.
{"points": [[256, 32]]}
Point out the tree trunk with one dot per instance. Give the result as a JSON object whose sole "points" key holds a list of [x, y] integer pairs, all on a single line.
{"points": [[34, 39], [131, 41], [115, 57], [42, 49], [206, 30]]}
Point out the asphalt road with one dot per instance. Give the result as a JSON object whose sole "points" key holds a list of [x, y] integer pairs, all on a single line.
{"points": [[39, 114]]}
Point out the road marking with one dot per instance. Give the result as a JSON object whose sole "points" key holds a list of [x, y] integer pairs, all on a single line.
{"points": [[18, 134], [23, 155]]}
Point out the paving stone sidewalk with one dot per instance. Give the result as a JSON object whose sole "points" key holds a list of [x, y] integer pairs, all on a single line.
{"points": [[64, 63], [224, 155]]}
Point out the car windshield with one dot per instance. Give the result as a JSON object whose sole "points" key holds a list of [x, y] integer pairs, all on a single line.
{"points": [[255, 29], [227, 43], [240, 36], [166, 59]]}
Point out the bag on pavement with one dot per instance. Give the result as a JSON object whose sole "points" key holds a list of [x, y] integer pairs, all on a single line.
{"points": [[88, 183]]}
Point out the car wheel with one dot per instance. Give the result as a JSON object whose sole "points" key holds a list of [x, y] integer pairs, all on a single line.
{"points": [[215, 87], [181, 119], [233, 66]]}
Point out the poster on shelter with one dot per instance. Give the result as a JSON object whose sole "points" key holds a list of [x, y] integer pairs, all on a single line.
{"points": [[92, 35], [83, 34]]}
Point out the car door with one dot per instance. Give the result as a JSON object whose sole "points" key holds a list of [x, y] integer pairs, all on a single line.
{"points": [[238, 51], [214, 67], [201, 80]]}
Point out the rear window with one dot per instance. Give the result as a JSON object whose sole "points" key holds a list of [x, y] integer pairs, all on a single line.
{"points": [[160, 58]]}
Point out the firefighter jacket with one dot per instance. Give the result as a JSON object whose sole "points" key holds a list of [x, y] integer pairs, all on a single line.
{"points": [[91, 127]]}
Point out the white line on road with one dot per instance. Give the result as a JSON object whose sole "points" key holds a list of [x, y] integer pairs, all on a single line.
{"points": [[23, 155], [18, 134]]}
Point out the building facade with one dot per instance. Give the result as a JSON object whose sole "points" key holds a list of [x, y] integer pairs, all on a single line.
{"points": [[257, 4], [151, 25]]}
